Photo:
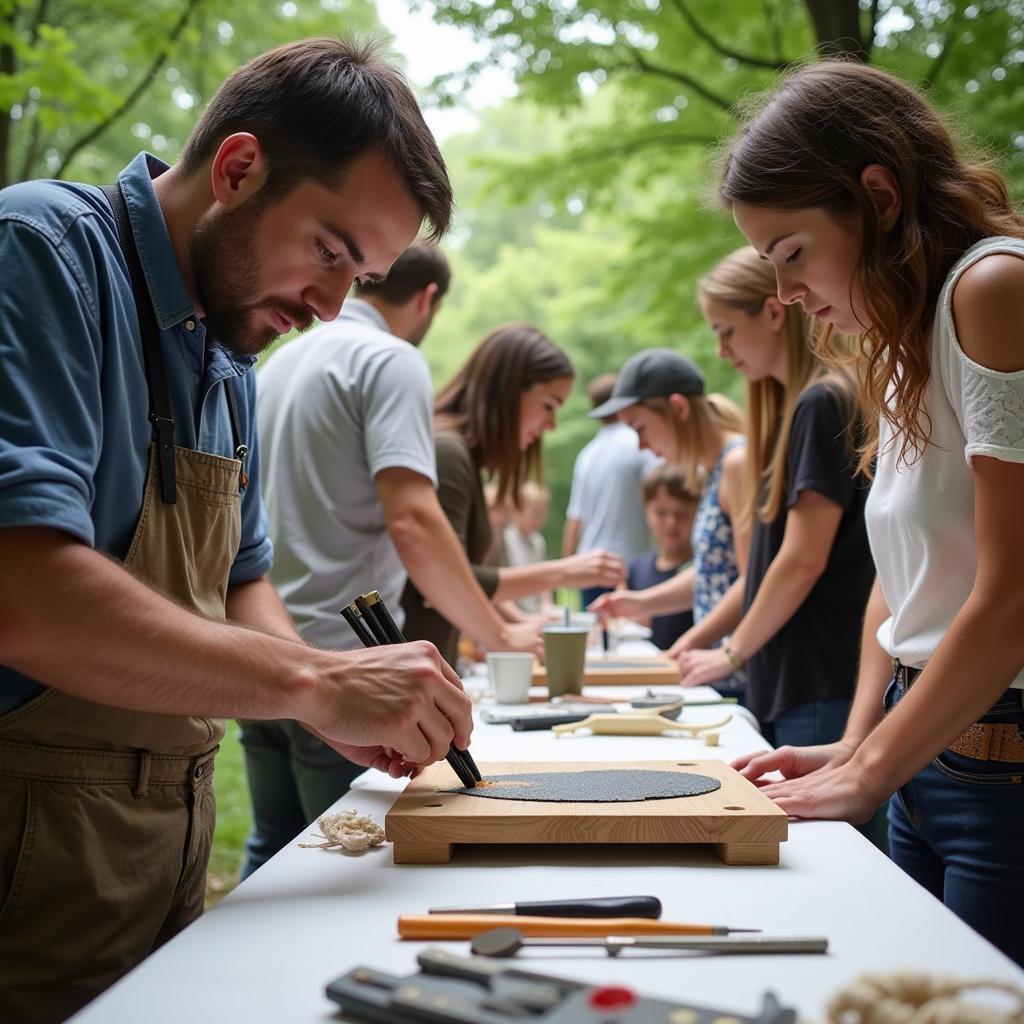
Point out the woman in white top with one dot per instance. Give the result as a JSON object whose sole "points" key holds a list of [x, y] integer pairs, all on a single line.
{"points": [[850, 184]]}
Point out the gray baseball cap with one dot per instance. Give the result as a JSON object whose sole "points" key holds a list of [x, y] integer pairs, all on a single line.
{"points": [[653, 373]]}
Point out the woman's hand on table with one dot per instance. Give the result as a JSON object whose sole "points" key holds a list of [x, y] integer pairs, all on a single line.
{"points": [[822, 781], [684, 643], [792, 762], [701, 666], [842, 793]]}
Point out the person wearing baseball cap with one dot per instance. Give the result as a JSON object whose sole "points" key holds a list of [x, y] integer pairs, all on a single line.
{"points": [[661, 394], [653, 373]]}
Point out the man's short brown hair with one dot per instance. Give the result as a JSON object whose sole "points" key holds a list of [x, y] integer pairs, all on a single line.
{"points": [[420, 265], [315, 105], [671, 478]]}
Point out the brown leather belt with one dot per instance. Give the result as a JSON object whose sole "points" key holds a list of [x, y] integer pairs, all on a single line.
{"points": [[984, 741]]}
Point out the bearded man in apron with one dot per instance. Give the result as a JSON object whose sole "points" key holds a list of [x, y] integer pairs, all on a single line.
{"points": [[134, 612]]}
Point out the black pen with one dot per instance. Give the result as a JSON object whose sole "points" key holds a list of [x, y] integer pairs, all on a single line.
{"points": [[377, 607]]}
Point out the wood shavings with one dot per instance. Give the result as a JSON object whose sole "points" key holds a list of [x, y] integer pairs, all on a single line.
{"points": [[353, 832]]}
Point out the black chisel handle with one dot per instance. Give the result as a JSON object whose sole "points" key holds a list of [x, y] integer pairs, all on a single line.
{"points": [[603, 906], [532, 723]]}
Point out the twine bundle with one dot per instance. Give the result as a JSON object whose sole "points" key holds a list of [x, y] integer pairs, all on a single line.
{"points": [[915, 997]]}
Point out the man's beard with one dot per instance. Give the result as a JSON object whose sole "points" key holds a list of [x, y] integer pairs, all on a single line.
{"points": [[227, 272]]}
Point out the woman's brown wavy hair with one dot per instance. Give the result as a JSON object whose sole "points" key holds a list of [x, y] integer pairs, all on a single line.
{"points": [[805, 145], [482, 402]]}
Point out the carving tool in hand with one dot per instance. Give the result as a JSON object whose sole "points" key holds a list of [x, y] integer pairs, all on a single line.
{"points": [[465, 926], [603, 906], [504, 942], [351, 615], [372, 631], [375, 603]]}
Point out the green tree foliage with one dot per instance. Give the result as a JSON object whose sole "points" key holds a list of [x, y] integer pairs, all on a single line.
{"points": [[73, 70], [584, 204], [643, 85]]}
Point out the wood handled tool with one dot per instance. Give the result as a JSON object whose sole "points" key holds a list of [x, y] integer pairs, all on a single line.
{"points": [[466, 926], [603, 906], [504, 942]]}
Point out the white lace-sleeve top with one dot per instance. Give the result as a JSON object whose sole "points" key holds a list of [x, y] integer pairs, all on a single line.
{"points": [[920, 517]]}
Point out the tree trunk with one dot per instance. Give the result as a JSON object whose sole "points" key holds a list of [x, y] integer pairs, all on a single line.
{"points": [[837, 26]]}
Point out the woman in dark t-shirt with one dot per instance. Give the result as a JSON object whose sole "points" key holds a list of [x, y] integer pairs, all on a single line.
{"points": [[489, 419], [795, 614]]}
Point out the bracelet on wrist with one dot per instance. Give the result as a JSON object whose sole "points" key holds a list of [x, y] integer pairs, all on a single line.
{"points": [[731, 656]]}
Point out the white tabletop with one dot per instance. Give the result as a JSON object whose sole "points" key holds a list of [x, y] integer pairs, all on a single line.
{"points": [[266, 952]]}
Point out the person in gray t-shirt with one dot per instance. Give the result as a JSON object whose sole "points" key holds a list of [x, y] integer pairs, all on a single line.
{"points": [[345, 418], [606, 508]]}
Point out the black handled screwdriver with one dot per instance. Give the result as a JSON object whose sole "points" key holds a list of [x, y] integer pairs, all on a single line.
{"points": [[597, 906]]}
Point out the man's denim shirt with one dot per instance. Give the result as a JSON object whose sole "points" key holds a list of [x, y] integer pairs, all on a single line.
{"points": [[74, 406]]}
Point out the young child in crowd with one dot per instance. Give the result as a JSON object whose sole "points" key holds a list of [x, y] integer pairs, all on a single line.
{"points": [[670, 507]]}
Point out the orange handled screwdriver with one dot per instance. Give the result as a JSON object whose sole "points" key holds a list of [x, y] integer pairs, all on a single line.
{"points": [[465, 926]]}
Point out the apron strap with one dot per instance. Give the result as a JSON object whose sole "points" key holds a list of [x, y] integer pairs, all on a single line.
{"points": [[156, 375], [241, 448]]}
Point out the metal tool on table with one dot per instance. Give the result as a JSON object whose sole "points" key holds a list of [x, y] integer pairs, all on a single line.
{"points": [[522, 719], [467, 926], [372, 623], [600, 906], [640, 723], [656, 698], [480, 990], [506, 942]]}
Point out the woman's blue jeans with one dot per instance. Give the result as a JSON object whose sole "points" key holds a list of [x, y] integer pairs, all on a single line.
{"points": [[957, 828], [806, 725]]}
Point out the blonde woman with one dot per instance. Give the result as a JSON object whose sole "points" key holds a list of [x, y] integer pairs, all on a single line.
{"points": [[660, 394], [793, 617]]}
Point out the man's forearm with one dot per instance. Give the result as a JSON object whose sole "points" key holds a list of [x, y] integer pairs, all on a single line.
{"points": [[79, 622]]}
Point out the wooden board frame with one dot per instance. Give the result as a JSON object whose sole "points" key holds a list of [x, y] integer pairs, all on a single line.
{"points": [[640, 670], [737, 820]]}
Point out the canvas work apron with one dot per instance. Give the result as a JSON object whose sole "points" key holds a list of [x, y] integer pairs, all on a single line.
{"points": [[106, 815]]}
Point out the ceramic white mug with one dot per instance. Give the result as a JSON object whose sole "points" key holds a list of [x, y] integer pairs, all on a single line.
{"points": [[510, 673]]}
